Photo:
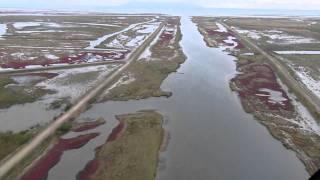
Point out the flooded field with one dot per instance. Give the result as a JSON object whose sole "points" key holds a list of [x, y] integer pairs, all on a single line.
{"points": [[295, 41], [157, 96], [28, 42], [46, 92], [210, 135], [62, 87], [49, 62]]}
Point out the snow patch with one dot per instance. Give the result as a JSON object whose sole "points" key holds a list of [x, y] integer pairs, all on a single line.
{"points": [[3, 29], [306, 79], [116, 43], [312, 23], [298, 20], [96, 24], [288, 39], [33, 67], [147, 53], [230, 40], [298, 52], [19, 55], [252, 34], [21, 25], [247, 54], [274, 96], [53, 31], [148, 28], [221, 28], [305, 120], [276, 36], [66, 87], [135, 41], [98, 41], [55, 25], [51, 56]]}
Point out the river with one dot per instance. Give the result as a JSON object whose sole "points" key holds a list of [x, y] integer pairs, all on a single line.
{"points": [[211, 137]]}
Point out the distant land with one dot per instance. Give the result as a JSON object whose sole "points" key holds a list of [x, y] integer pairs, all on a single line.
{"points": [[168, 8]]}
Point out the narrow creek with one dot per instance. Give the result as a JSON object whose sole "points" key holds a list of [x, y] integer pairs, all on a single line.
{"points": [[211, 137]]}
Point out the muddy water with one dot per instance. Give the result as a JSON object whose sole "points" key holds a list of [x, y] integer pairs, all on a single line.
{"points": [[211, 136], [22, 117]]}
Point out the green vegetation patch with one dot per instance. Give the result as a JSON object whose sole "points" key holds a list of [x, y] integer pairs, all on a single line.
{"points": [[309, 62], [27, 161], [17, 95], [134, 154], [147, 80], [64, 128], [9, 97], [9, 142], [148, 75]]}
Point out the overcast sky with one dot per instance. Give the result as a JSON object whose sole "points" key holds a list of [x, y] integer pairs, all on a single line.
{"points": [[252, 4]]}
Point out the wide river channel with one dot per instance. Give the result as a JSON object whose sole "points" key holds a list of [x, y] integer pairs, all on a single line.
{"points": [[211, 137]]}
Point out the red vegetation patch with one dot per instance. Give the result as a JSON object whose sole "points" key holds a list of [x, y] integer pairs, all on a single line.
{"points": [[90, 169], [88, 126], [94, 164], [86, 56], [41, 169], [218, 33], [72, 59], [240, 44], [17, 64], [259, 76], [221, 36], [166, 36], [116, 132]]}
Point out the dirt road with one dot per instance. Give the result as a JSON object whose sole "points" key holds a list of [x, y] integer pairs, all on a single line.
{"points": [[306, 96], [76, 109]]}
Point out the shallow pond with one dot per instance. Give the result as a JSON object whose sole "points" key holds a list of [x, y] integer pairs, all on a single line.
{"points": [[22, 117]]}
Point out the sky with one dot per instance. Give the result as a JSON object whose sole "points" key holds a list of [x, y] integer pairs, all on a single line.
{"points": [[238, 4]]}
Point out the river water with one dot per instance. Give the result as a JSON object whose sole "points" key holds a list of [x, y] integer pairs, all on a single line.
{"points": [[211, 137]]}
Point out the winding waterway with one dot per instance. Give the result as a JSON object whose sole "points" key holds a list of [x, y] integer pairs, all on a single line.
{"points": [[211, 137]]}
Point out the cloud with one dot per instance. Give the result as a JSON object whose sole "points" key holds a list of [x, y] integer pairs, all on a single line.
{"points": [[253, 4], [65, 2], [262, 4]]}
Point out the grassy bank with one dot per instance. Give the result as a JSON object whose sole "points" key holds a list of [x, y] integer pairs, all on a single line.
{"points": [[26, 163], [131, 152], [147, 74], [284, 119], [286, 125], [9, 97], [9, 141]]}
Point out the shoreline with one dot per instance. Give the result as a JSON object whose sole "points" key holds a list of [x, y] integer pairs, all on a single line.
{"points": [[255, 84], [131, 150]]}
